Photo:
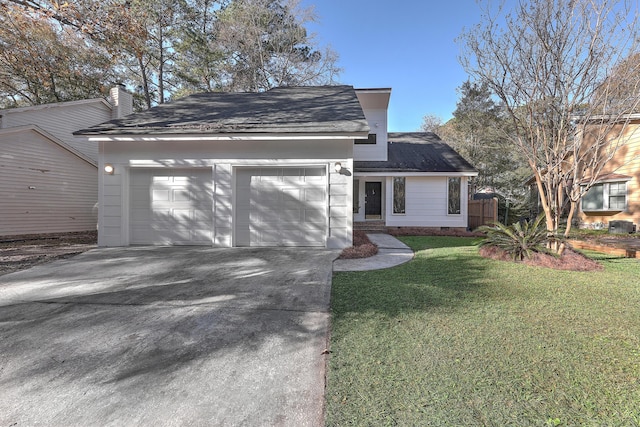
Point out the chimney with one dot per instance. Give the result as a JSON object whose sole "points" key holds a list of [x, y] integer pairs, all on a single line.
{"points": [[122, 102]]}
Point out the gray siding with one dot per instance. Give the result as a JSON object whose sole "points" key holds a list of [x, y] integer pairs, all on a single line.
{"points": [[61, 120], [44, 187]]}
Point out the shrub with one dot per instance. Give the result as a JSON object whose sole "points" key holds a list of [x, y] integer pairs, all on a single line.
{"points": [[519, 240]]}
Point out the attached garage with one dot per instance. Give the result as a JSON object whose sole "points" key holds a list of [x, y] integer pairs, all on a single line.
{"points": [[171, 206], [260, 169], [281, 206]]}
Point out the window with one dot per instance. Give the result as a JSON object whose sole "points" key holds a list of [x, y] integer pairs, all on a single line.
{"points": [[398, 195], [370, 140], [608, 196], [356, 196], [454, 196]]}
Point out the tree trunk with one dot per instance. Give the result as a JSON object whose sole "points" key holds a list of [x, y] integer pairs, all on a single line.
{"points": [[145, 82], [161, 66]]}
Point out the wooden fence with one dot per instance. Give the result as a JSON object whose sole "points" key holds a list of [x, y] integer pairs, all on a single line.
{"points": [[482, 212]]}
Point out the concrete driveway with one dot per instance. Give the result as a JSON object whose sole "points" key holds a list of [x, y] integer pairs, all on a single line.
{"points": [[166, 336]]}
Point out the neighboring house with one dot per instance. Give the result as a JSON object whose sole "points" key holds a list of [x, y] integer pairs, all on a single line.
{"points": [[49, 180], [616, 194], [278, 168]]}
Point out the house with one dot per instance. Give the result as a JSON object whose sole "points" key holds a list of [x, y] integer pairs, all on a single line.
{"points": [[49, 178], [293, 166], [616, 194]]}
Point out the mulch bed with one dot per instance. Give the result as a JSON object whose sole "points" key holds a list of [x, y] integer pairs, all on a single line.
{"points": [[362, 247], [425, 231], [570, 259]]}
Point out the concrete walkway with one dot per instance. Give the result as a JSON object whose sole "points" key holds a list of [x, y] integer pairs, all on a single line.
{"points": [[391, 252]]}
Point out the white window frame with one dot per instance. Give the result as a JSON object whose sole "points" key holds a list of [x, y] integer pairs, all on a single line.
{"points": [[449, 178], [606, 194], [393, 195]]}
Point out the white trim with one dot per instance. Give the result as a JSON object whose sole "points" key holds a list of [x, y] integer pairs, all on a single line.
{"points": [[327, 203], [606, 194], [460, 197], [230, 137], [604, 181], [195, 163], [441, 174], [125, 220], [393, 196]]}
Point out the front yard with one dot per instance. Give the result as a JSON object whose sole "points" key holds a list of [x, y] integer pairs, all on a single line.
{"points": [[452, 338]]}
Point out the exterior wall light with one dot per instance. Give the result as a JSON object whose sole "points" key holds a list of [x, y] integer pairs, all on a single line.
{"points": [[109, 169], [338, 167]]}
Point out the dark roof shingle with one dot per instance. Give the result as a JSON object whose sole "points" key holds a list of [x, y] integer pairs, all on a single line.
{"points": [[308, 109], [417, 152]]}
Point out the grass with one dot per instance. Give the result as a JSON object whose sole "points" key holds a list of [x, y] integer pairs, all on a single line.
{"points": [[451, 338]]}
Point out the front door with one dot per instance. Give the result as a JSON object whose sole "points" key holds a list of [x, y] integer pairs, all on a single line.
{"points": [[373, 200]]}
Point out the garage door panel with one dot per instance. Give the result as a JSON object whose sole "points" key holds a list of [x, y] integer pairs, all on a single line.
{"points": [[160, 215], [293, 175], [281, 207], [140, 178], [160, 195], [201, 236], [182, 195], [171, 206], [140, 194], [312, 216], [140, 215], [314, 175], [313, 195], [291, 195], [271, 217], [203, 216], [183, 215]]}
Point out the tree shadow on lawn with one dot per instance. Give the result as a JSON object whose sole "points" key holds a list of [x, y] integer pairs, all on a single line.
{"points": [[445, 274]]}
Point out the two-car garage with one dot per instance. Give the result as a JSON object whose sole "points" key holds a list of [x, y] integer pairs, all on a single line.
{"points": [[273, 206]]}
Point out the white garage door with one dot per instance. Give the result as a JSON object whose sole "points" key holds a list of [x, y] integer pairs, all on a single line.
{"points": [[171, 206], [281, 206]]}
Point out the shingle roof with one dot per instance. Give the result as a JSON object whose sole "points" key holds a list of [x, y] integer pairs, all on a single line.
{"points": [[312, 109], [417, 152]]}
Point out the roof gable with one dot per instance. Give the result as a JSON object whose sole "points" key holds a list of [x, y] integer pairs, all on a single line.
{"points": [[51, 138], [314, 109], [417, 152]]}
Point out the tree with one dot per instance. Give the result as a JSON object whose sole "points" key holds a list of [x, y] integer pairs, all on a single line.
{"points": [[109, 26], [265, 44], [551, 62], [478, 131], [42, 63], [431, 123], [172, 48], [198, 64]]}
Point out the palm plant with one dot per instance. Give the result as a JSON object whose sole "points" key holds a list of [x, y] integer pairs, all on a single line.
{"points": [[521, 239]]}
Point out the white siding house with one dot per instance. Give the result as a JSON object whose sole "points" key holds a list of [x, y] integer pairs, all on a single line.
{"points": [[427, 179], [293, 166], [232, 169], [48, 178]]}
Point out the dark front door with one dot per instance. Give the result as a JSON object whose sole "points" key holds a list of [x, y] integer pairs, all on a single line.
{"points": [[373, 201]]}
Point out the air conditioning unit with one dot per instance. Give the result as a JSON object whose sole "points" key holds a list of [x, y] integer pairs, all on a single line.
{"points": [[621, 227]]}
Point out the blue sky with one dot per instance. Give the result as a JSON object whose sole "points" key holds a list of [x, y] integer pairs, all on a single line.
{"points": [[407, 45]]}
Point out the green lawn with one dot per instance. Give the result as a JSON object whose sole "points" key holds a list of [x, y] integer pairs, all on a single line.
{"points": [[453, 339]]}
